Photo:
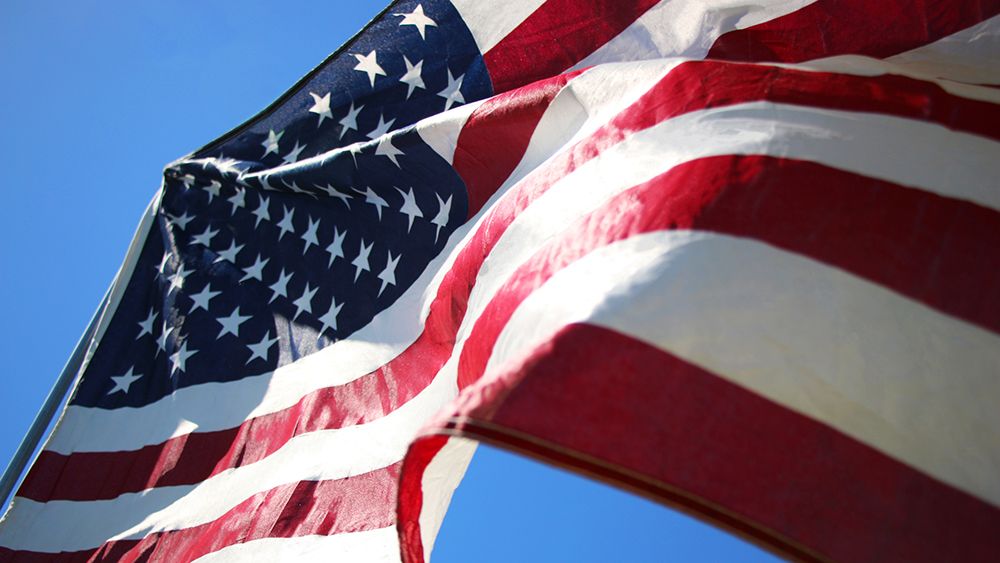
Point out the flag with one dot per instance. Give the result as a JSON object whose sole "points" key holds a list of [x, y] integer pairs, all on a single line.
{"points": [[760, 291]]}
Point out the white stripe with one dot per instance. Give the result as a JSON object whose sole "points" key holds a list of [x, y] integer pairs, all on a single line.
{"points": [[490, 22], [441, 130], [971, 55], [195, 408], [439, 481], [904, 378], [904, 151], [867, 66], [330, 454], [687, 28], [370, 546], [585, 104]]}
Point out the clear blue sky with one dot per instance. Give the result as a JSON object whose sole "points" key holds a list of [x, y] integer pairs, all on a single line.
{"points": [[97, 97]]}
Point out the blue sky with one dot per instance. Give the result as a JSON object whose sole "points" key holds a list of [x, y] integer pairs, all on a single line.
{"points": [[97, 98]]}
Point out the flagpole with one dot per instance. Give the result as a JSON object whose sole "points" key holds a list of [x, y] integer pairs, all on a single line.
{"points": [[36, 432]]}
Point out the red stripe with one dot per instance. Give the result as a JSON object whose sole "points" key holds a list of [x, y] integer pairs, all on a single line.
{"points": [[353, 504], [937, 250], [839, 27], [645, 419], [689, 87], [558, 35], [494, 138]]}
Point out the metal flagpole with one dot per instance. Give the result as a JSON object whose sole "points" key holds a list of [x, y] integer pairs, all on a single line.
{"points": [[56, 395]]}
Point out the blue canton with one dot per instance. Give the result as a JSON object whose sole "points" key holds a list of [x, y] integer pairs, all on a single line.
{"points": [[271, 244]]}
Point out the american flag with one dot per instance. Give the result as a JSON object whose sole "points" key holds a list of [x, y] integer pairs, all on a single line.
{"points": [[758, 282]]}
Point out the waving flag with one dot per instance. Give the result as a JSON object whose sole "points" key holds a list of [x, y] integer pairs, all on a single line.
{"points": [[763, 292]]}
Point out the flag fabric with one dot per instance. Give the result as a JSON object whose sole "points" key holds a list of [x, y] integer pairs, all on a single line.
{"points": [[738, 257]]}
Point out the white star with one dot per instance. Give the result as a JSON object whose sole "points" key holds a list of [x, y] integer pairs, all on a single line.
{"points": [[256, 271], [350, 121], [280, 287], [188, 181], [226, 165], [336, 248], [230, 253], [293, 155], [266, 185], [321, 107], [179, 358], [388, 275], [231, 324], [304, 302], [182, 221], [146, 326], [205, 238], [360, 262], [310, 236], [213, 190], [202, 298], [295, 188], [374, 199], [410, 207], [177, 280], [382, 128], [329, 319], [332, 192], [417, 19], [161, 342], [238, 200], [412, 77], [163, 264], [386, 148], [452, 93], [260, 349], [262, 211], [441, 219], [368, 64], [124, 381], [285, 224], [355, 151], [271, 143]]}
